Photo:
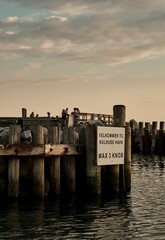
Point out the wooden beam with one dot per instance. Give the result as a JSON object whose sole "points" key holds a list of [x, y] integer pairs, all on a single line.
{"points": [[62, 149], [47, 150], [22, 150]]}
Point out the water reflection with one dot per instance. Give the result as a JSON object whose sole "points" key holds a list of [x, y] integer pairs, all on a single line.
{"points": [[149, 161], [137, 215], [148, 196]]}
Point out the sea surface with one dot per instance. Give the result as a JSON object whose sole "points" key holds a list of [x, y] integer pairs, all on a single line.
{"points": [[139, 214]]}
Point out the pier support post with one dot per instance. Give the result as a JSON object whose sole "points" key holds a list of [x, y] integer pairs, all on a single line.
{"points": [[81, 163], [93, 172], [38, 164], [14, 162], [127, 159], [24, 112], [147, 139], [119, 114], [154, 137], [141, 137], [55, 169], [133, 145], [68, 163], [113, 175], [161, 131]]}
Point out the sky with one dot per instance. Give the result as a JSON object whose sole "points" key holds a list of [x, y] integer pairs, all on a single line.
{"points": [[90, 54]]}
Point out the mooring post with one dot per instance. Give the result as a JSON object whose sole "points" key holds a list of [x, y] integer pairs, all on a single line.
{"points": [[119, 115], [68, 162], [93, 172], [127, 159], [119, 121], [132, 126], [161, 131], [141, 136], [113, 175], [55, 169], [13, 162], [147, 138], [24, 112], [154, 137], [38, 163], [81, 162]]}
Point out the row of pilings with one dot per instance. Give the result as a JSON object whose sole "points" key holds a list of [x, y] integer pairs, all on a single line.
{"points": [[62, 166], [148, 138]]}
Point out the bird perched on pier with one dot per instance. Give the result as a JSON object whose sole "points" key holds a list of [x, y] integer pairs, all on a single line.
{"points": [[32, 114]]}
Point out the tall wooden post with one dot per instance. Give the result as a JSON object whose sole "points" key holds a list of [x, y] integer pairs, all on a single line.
{"points": [[147, 139], [38, 164], [113, 175], [119, 115], [127, 159], [93, 172], [68, 163], [141, 136], [24, 112], [81, 162], [13, 162], [154, 137], [55, 169], [133, 144], [161, 131], [119, 121]]}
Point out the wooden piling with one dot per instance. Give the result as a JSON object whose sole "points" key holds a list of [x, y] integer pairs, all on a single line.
{"points": [[154, 136], [141, 137], [81, 162], [147, 139], [127, 160], [38, 164], [24, 112], [68, 163], [119, 115], [113, 175], [13, 162], [54, 162], [161, 131], [133, 144], [119, 121], [93, 172]]}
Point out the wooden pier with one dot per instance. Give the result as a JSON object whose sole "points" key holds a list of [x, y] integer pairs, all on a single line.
{"points": [[148, 138], [61, 159], [73, 119]]}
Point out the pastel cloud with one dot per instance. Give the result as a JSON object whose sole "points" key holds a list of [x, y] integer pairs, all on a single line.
{"points": [[10, 33], [12, 19]]}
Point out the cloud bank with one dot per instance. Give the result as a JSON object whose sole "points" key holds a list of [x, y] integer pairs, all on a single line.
{"points": [[96, 32]]}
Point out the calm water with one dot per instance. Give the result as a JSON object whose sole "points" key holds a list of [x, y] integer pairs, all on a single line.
{"points": [[138, 215]]}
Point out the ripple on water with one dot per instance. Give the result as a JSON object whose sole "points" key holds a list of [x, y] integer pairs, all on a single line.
{"points": [[138, 215]]}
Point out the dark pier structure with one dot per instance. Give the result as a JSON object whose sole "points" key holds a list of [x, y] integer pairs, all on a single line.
{"points": [[42, 157], [148, 138]]}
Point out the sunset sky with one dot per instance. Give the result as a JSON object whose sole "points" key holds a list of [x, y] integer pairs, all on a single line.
{"points": [[90, 54]]}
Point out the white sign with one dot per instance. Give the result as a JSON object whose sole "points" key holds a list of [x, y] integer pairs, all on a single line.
{"points": [[110, 145]]}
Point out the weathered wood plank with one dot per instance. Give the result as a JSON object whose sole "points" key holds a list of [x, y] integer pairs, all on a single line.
{"points": [[46, 150], [62, 149], [22, 150]]}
